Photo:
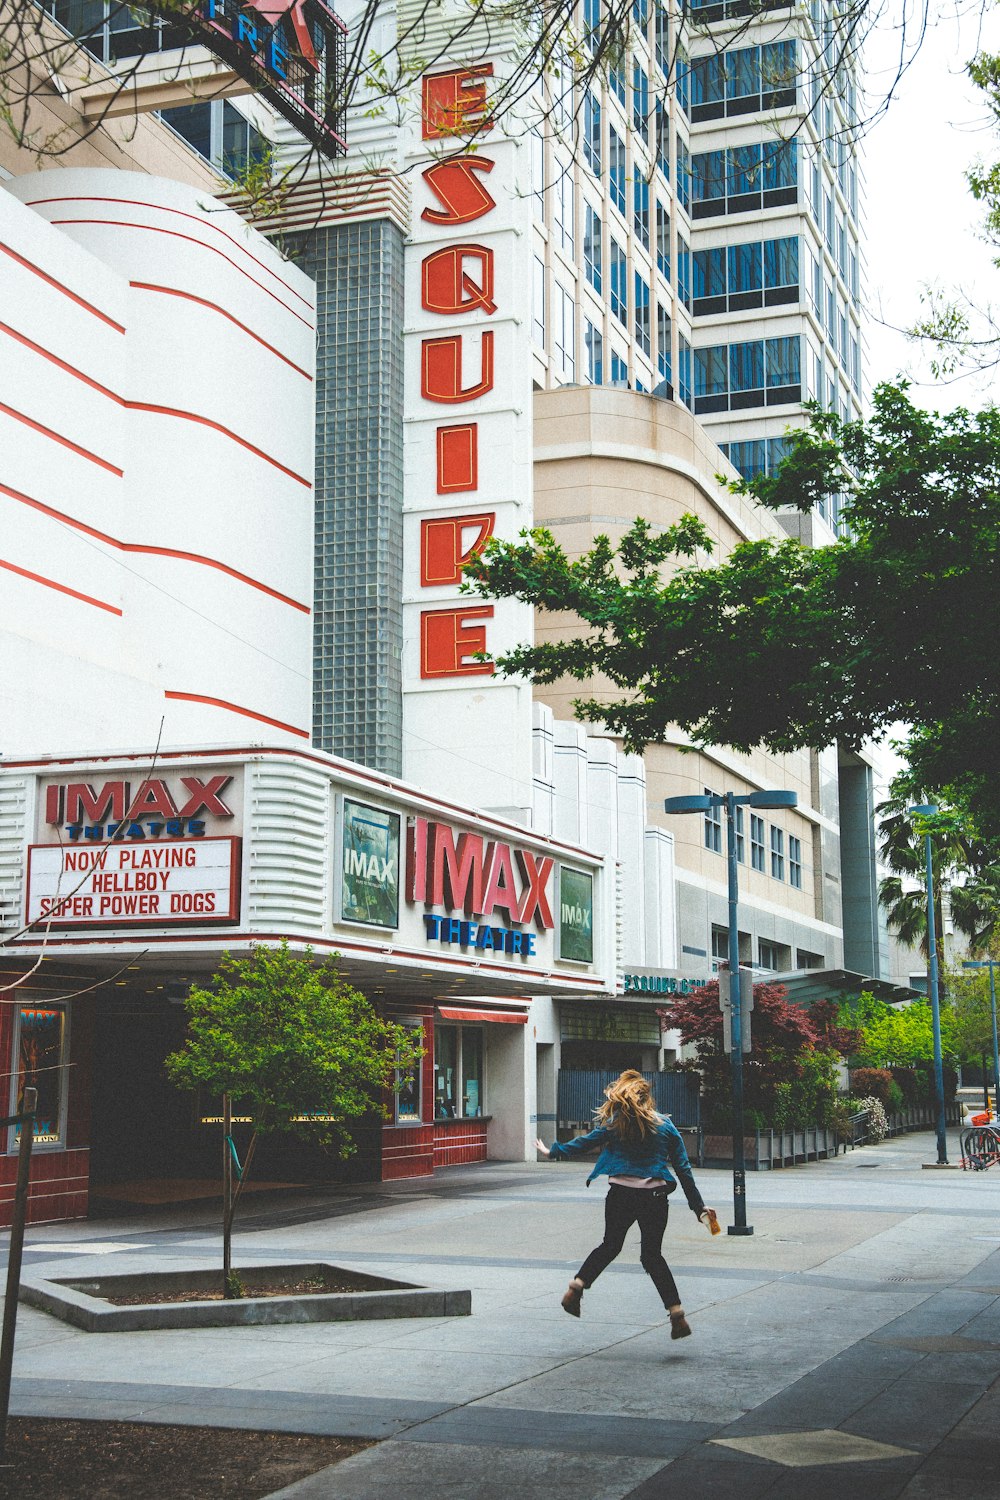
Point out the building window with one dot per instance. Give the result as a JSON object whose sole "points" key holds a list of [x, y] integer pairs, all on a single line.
{"points": [[713, 825], [777, 853], [619, 286], [616, 169], [683, 271], [409, 1086], [769, 954], [538, 302], [564, 333], [217, 130], [459, 1092], [642, 317], [594, 341], [640, 98], [592, 248], [662, 39], [592, 24], [40, 1053], [744, 179], [684, 372], [744, 81], [640, 210], [663, 354], [740, 840], [757, 372], [663, 242], [720, 947], [756, 842], [683, 174], [563, 209], [661, 140], [616, 83], [759, 274], [806, 960], [795, 862], [619, 369], [592, 132], [538, 175]]}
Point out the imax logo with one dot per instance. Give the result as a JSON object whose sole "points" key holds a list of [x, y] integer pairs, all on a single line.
{"points": [[576, 916], [369, 866]]}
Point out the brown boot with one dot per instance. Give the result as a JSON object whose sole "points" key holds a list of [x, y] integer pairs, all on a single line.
{"points": [[573, 1296], [680, 1328]]}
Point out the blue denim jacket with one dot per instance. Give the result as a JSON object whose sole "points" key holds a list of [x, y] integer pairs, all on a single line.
{"points": [[653, 1156]]}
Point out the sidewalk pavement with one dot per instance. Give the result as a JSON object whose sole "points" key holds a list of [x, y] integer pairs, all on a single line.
{"points": [[849, 1348]]}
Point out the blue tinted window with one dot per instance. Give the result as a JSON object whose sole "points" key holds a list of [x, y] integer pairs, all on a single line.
{"points": [[781, 262], [710, 273], [745, 268], [746, 366]]}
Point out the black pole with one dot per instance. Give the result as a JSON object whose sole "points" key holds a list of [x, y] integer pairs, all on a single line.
{"points": [[227, 1192], [739, 1225], [20, 1214]]}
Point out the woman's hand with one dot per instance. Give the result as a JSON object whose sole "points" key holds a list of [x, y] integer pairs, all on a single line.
{"points": [[541, 1145], [710, 1219]]}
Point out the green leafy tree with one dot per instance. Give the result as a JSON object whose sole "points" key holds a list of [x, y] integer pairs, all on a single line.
{"points": [[898, 1037], [783, 646], [302, 1051]]}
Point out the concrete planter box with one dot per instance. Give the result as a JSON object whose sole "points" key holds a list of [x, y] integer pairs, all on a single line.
{"points": [[774, 1148], [79, 1300]]}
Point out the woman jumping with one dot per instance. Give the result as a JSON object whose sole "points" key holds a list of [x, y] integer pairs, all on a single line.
{"points": [[638, 1147]]}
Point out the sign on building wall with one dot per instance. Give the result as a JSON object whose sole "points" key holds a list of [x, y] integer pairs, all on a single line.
{"points": [[119, 885], [576, 915], [489, 894], [369, 877], [291, 51], [467, 441]]}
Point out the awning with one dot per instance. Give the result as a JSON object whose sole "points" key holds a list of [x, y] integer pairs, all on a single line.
{"points": [[511, 1017]]}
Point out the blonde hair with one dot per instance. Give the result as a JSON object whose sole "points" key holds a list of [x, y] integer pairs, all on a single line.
{"points": [[629, 1110]]}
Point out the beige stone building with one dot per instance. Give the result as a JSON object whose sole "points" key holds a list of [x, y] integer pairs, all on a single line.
{"points": [[603, 457]]}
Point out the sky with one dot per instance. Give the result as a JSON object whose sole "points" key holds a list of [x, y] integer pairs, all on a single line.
{"points": [[922, 222]]}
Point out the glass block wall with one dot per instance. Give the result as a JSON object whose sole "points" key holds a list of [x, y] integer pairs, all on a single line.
{"points": [[357, 690]]}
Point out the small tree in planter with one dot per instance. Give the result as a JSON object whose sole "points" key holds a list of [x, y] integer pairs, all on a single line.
{"points": [[300, 1049], [785, 1074]]}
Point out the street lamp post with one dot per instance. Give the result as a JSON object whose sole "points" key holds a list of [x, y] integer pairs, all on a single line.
{"points": [[991, 964], [927, 810], [730, 802]]}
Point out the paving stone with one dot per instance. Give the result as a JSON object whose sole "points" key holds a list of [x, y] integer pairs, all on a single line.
{"points": [[810, 1449]]}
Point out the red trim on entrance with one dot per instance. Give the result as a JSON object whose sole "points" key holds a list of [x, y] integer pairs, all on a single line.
{"points": [[51, 281], [511, 1017], [172, 291], [151, 551], [57, 437], [407, 1151], [60, 588], [234, 708], [459, 1142]]}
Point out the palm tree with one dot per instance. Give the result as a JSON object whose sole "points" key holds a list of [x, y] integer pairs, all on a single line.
{"points": [[959, 863]]}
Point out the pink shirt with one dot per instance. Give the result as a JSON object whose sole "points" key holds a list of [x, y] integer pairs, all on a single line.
{"points": [[638, 1182]]}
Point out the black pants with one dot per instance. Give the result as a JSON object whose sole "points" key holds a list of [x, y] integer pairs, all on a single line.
{"points": [[624, 1207]]}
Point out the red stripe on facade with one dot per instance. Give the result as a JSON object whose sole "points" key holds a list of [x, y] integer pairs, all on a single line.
{"points": [[61, 588], [212, 250], [234, 708], [191, 416], [172, 291], [147, 406], [54, 359], [151, 551], [179, 213], [59, 287], [57, 437]]}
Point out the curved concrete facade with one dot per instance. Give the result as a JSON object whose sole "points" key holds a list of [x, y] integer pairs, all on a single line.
{"points": [[156, 468]]}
